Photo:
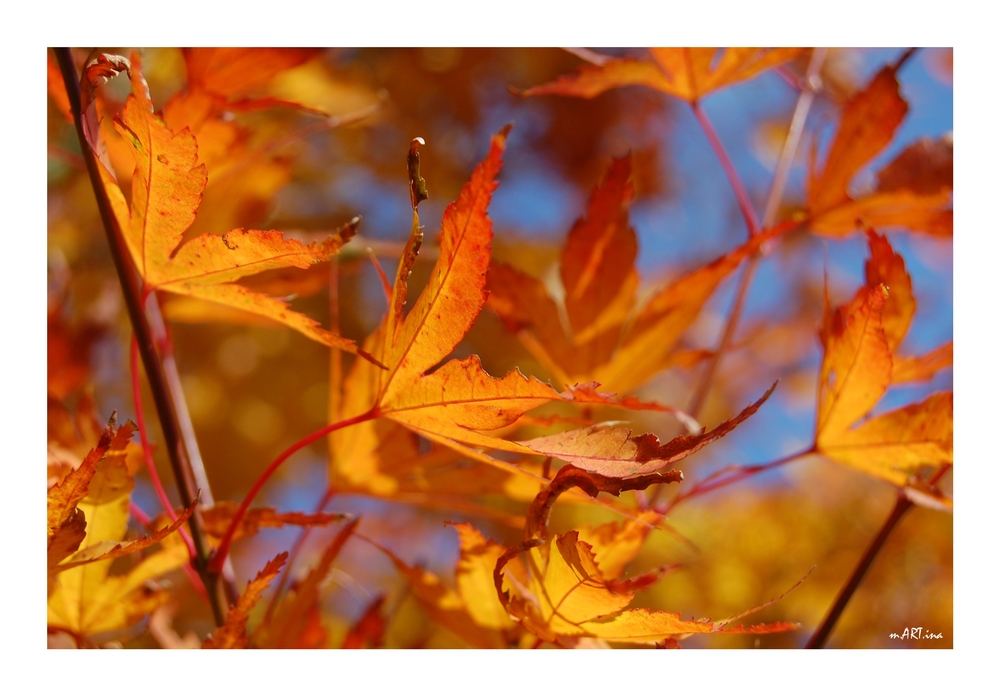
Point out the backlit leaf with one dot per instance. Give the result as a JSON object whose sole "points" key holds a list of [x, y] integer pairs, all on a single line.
{"points": [[686, 73], [167, 189], [914, 190]]}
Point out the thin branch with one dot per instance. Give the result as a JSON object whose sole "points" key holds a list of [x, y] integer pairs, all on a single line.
{"points": [[746, 207], [172, 378], [146, 521], [795, 129], [222, 552], [286, 570], [818, 639], [729, 475], [147, 347], [147, 451], [701, 394]]}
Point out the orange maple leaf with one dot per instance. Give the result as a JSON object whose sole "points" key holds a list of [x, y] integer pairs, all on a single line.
{"points": [[608, 338], [914, 190], [686, 73], [564, 588], [166, 191], [860, 339], [458, 404]]}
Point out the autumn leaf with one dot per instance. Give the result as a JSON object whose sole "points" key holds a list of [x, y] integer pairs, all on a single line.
{"points": [[616, 452], [457, 400], [914, 190], [572, 586], [232, 71], [685, 73], [167, 188], [233, 633], [922, 367], [384, 458], [556, 589], [84, 597], [245, 170], [609, 339], [66, 523], [859, 341], [107, 550], [458, 404]]}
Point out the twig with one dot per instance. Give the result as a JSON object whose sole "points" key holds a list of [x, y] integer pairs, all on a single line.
{"points": [[172, 378], [221, 553], [286, 571], [147, 348], [818, 639], [147, 451], [746, 207], [730, 475], [795, 129]]}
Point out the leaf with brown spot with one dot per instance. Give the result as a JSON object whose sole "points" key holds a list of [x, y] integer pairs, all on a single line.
{"points": [[167, 190], [616, 452]]}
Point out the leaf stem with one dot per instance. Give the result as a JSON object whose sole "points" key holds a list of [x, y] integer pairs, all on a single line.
{"points": [[147, 451], [730, 475], [746, 207], [147, 348], [795, 129], [818, 639], [222, 552], [172, 379]]}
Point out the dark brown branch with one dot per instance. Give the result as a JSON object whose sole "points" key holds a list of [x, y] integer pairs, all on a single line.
{"points": [[819, 638]]}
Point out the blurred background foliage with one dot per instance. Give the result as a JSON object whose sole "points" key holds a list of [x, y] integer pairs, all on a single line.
{"points": [[252, 390]]}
